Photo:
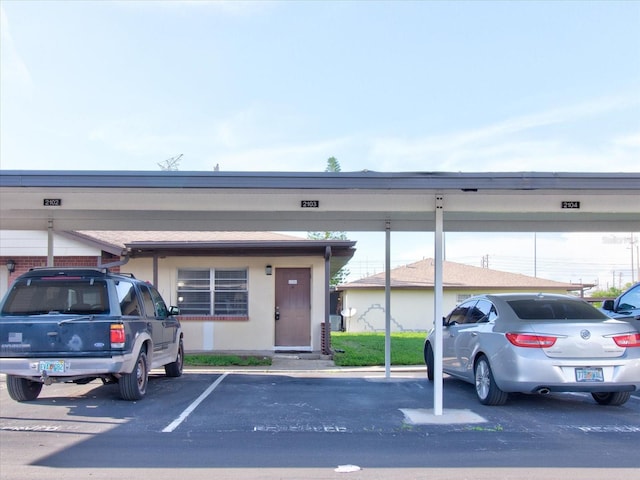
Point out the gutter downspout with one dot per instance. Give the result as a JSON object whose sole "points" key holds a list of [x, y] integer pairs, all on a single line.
{"points": [[327, 300], [123, 261]]}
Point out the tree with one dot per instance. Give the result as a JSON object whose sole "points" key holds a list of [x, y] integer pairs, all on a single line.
{"points": [[170, 164], [332, 166], [611, 292]]}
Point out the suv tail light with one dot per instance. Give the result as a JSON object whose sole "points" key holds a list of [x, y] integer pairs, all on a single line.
{"points": [[529, 340], [627, 340], [117, 335]]}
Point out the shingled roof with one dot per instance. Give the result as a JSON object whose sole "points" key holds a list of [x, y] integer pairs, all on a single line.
{"points": [[455, 275], [215, 243], [122, 238]]}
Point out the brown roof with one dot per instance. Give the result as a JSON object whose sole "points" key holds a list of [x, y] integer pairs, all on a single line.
{"points": [[455, 275], [124, 237], [216, 243]]}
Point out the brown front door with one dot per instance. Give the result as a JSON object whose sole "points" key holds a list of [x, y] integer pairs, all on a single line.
{"points": [[293, 308]]}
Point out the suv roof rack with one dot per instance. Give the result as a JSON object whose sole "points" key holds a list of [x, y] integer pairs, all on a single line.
{"points": [[125, 274], [64, 271]]}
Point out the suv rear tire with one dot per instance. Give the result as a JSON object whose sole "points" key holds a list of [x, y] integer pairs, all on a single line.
{"points": [[133, 386], [174, 369], [23, 390]]}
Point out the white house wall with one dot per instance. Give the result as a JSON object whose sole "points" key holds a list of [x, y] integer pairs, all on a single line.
{"points": [[411, 310], [34, 243], [258, 332]]}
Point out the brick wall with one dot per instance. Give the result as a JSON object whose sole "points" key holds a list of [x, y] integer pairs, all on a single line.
{"points": [[24, 264]]}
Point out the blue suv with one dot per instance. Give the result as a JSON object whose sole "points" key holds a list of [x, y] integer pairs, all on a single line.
{"points": [[625, 307]]}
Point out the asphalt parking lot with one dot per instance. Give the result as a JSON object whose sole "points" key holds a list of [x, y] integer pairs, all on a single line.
{"points": [[318, 419]]}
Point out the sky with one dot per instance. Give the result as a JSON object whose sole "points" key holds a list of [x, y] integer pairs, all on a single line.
{"points": [[384, 86]]}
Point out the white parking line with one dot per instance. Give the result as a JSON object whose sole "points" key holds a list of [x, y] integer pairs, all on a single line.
{"points": [[187, 411]]}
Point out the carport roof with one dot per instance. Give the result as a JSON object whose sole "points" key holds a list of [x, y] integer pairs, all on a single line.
{"points": [[323, 201]]}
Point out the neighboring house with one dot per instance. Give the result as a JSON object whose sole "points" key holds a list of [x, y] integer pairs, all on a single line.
{"points": [[412, 305], [237, 291]]}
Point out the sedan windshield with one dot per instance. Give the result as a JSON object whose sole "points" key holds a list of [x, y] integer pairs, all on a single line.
{"points": [[554, 309]]}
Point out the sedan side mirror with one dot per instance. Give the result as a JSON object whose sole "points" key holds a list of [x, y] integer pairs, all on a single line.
{"points": [[174, 311], [607, 305]]}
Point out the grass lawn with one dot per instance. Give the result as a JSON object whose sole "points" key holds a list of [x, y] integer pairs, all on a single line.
{"points": [[366, 349], [350, 350], [208, 360]]}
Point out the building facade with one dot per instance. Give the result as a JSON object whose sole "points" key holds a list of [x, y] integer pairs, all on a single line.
{"points": [[237, 291], [412, 295]]}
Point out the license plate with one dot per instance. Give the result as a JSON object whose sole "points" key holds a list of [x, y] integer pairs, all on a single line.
{"points": [[589, 374], [56, 366]]}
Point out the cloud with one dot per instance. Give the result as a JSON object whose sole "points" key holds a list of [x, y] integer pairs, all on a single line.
{"points": [[521, 143], [136, 136], [14, 72], [228, 7], [270, 138]]}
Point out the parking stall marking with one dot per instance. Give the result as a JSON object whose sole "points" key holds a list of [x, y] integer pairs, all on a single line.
{"points": [[605, 428], [301, 428], [187, 411], [32, 428]]}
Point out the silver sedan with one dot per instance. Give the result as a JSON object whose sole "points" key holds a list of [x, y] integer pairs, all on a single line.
{"points": [[538, 343]]}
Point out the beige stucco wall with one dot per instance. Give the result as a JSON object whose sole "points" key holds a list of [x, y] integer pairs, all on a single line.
{"points": [[256, 334]]}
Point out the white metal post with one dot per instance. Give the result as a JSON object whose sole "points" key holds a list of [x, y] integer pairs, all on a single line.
{"points": [[387, 301], [437, 310]]}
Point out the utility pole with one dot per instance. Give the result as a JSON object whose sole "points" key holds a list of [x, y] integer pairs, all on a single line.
{"points": [[632, 242], [612, 239]]}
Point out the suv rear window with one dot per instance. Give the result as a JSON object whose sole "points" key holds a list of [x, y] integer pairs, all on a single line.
{"points": [[38, 296], [555, 309]]}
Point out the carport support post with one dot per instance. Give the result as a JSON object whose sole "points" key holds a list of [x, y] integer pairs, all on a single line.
{"points": [[437, 307], [50, 244], [387, 300]]}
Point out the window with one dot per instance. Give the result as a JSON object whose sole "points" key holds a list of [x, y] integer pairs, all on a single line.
{"points": [[555, 309], [230, 296], [484, 311], [459, 314], [127, 297], [154, 305], [39, 296], [220, 292], [630, 300]]}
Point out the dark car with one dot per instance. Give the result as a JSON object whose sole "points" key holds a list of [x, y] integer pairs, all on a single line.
{"points": [[80, 324], [625, 307]]}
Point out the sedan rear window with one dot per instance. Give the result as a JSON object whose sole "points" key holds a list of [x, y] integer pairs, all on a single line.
{"points": [[555, 309]]}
